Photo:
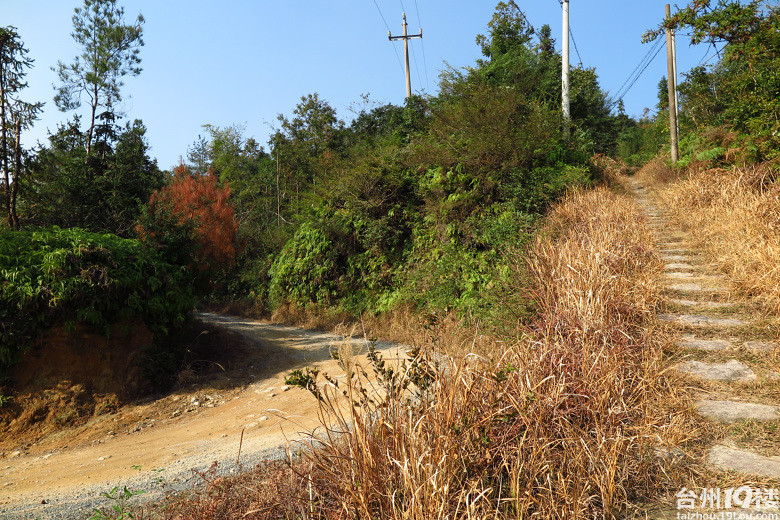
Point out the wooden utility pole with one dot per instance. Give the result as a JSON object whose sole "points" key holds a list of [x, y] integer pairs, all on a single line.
{"points": [[672, 88], [565, 102], [406, 37], [676, 94], [278, 193]]}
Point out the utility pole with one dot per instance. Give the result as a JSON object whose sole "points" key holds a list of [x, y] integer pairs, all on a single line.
{"points": [[565, 103], [278, 193], [406, 37], [672, 88], [676, 94]]}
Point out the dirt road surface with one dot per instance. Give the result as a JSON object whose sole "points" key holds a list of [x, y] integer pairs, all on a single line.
{"points": [[154, 446]]}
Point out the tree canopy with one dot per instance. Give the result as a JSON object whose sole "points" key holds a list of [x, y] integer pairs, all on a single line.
{"points": [[15, 115], [109, 51]]}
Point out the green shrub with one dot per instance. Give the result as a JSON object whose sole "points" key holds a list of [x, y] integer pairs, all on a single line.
{"points": [[53, 276], [305, 269], [463, 266]]}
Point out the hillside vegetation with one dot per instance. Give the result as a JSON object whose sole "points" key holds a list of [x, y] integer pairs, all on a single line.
{"points": [[470, 207], [725, 186], [567, 417], [58, 276], [414, 206]]}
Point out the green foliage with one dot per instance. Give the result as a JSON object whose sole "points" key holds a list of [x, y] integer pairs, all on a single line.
{"points": [[742, 90], [165, 233], [640, 142], [103, 191], [459, 261], [306, 378], [53, 275], [509, 29], [422, 203], [345, 253], [396, 124], [15, 115], [305, 269]]}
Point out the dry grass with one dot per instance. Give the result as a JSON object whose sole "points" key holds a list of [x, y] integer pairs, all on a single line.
{"points": [[735, 214], [560, 422]]}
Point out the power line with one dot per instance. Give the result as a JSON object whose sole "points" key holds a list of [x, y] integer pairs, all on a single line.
{"points": [[641, 63], [575, 44], [717, 53], [637, 76], [417, 68], [706, 52], [425, 61], [397, 57]]}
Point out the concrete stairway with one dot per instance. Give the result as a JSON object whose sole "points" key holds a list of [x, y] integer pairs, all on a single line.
{"points": [[729, 367]]}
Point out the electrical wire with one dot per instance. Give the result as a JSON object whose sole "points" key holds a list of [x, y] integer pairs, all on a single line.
{"points": [[422, 42], [636, 77], [575, 44], [706, 53], [641, 63], [397, 57], [417, 68]]}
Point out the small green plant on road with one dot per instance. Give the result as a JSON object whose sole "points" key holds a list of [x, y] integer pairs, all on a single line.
{"points": [[119, 510]]}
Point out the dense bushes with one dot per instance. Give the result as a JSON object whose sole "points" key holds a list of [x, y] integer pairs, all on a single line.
{"points": [[53, 276], [420, 204]]}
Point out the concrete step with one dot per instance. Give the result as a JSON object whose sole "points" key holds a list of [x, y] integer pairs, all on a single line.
{"points": [[733, 411], [696, 320], [704, 305], [673, 266], [696, 287], [679, 275], [731, 459], [676, 258], [732, 370], [705, 344]]}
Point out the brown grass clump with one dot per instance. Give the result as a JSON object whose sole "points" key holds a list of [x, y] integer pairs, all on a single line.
{"points": [[560, 424], [735, 214], [609, 170], [658, 169]]}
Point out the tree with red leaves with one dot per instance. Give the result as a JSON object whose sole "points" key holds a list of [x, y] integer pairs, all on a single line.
{"points": [[197, 206]]}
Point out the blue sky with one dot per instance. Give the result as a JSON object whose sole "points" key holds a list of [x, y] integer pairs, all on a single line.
{"points": [[243, 62]]}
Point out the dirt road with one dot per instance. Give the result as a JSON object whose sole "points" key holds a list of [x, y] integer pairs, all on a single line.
{"points": [[155, 451]]}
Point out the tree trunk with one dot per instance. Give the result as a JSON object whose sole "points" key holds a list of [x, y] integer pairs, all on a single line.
{"points": [[92, 120], [4, 144], [13, 217]]}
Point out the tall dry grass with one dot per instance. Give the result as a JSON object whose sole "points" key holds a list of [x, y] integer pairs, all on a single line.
{"points": [[734, 214], [560, 424]]}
